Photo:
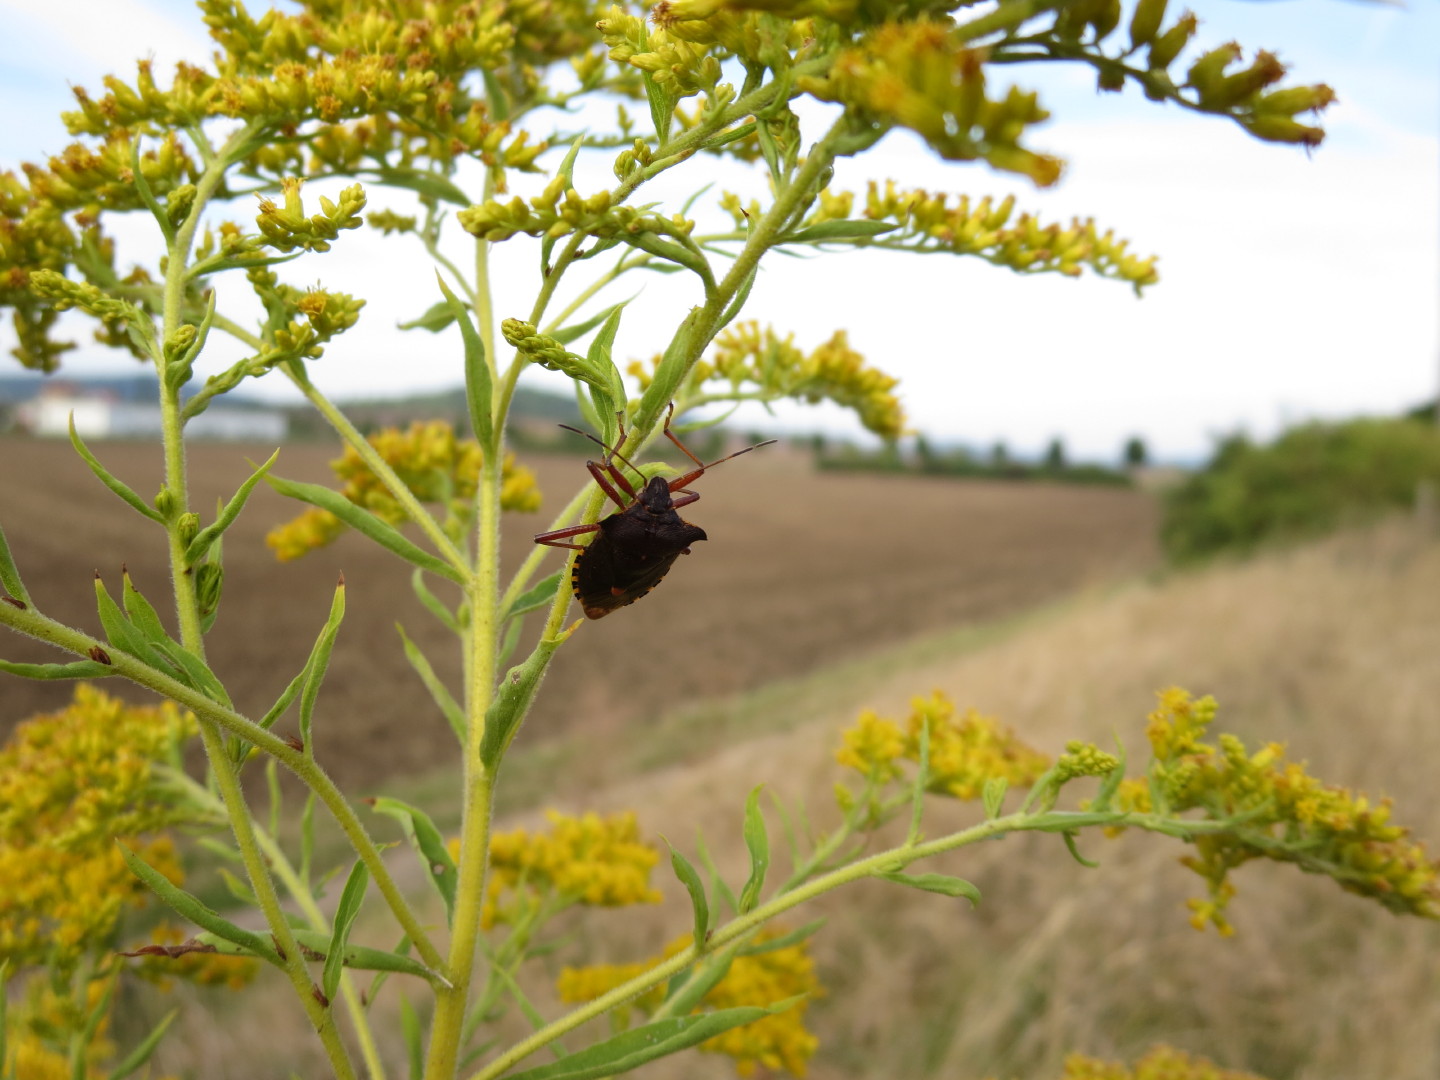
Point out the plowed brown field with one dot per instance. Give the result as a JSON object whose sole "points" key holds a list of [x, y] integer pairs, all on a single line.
{"points": [[803, 569]]}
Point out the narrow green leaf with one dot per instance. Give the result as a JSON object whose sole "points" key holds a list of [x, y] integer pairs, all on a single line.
{"points": [[922, 781], [653, 244], [307, 837], [283, 701], [211, 533], [566, 334], [143, 615], [478, 391], [318, 663], [599, 355], [672, 369], [276, 796], [537, 596], [438, 691], [433, 603], [700, 907], [147, 196], [437, 317], [757, 841], [190, 907], [197, 673], [662, 108], [718, 888], [512, 701], [795, 937], [414, 1045], [1069, 838], [10, 574], [508, 643], [1105, 798], [839, 230], [93, 1020], [361, 957], [400, 952], [141, 1054], [567, 167], [993, 796], [631, 1049], [120, 633], [362, 521], [240, 890], [351, 899], [429, 184], [79, 669], [114, 484], [943, 884], [428, 843], [688, 989]]}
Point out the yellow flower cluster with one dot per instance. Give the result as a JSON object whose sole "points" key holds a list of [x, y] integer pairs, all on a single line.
{"points": [[916, 75], [756, 978], [560, 210], [1280, 813], [435, 465], [588, 860], [70, 784], [1159, 1063], [40, 1026], [931, 223], [966, 749], [757, 362]]}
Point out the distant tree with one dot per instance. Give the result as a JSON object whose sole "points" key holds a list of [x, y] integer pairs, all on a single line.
{"points": [[1055, 455], [926, 453], [1136, 454], [1000, 454]]}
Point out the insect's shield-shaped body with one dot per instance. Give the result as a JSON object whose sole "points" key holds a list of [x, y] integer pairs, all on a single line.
{"points": [[632, 551]]}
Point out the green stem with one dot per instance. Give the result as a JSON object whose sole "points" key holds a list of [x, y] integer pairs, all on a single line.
{"points": [[192, 636], [883, 862], [539, 551], [321, 1017], [43, 628], [481, 642], [380, 467], [304, 898]]}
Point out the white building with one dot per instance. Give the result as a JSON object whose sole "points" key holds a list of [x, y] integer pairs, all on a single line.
{"points": [[48, 415]]}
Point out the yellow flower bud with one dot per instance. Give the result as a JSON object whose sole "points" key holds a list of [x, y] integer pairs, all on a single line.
{"points": [[1146, 20]]}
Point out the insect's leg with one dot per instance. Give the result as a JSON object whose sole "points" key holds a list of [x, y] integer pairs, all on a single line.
{"points": [[683, 448], [686, 498], [557, 538], [598, 469]]}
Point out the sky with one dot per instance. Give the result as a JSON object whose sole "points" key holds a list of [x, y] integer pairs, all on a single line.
{"points": [[1293, 285]]}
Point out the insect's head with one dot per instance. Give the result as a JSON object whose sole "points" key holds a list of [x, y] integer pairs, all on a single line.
{"points": [[655, 496]]}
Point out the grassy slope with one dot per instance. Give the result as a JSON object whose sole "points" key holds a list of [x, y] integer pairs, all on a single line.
{"points": [[1331, 648]]}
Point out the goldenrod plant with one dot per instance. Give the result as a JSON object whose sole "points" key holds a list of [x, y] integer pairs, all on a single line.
{"points": [[452, 106]]}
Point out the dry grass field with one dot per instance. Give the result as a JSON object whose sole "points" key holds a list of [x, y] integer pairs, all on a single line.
{"points": [[820, 595], [802, 571]]}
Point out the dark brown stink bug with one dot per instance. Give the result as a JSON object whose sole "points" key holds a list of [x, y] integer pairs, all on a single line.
{"points": [[635, 546]]}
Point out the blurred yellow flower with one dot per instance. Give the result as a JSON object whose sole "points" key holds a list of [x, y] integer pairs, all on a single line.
{"points": [[1281, 813], [757, 977], [435, 465], [71, 783], [966, 749], [582, 860]]}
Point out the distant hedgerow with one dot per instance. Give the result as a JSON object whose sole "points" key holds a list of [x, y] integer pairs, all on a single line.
{"points": [[1311, 480]]}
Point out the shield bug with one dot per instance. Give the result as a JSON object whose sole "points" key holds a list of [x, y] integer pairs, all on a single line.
{"points": [[634, 547]]}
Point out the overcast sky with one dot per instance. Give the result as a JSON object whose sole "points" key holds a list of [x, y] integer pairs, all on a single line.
{"points": [[1292, 286]]}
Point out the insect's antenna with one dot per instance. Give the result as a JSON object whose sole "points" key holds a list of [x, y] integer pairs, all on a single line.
{"points": [[609, 451], [737, 453]]}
